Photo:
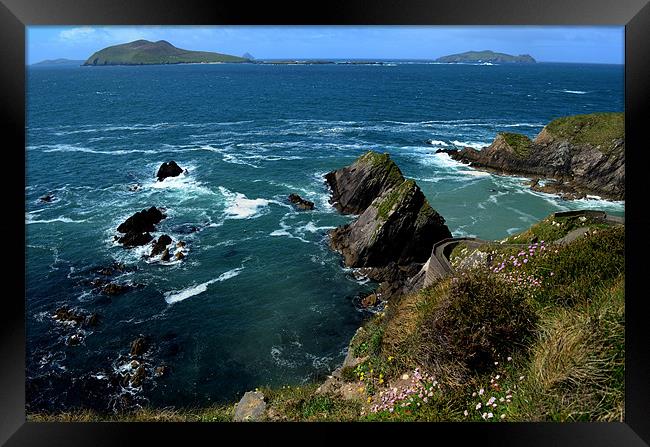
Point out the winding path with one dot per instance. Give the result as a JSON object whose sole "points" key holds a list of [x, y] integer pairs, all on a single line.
{"points": [[438, 265]]}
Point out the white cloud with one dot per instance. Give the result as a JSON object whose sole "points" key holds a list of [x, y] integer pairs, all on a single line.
{"points": [[76, 34]]}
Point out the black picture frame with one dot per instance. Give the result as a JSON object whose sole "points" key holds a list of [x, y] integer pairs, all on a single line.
{"points": [[15, 15]]}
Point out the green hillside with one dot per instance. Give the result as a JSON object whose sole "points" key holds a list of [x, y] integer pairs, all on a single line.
{"points": [[144, 52]]}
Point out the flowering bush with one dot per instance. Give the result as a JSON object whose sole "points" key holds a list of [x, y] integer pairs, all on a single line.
{"points": [[414, 391], [490, 402]]}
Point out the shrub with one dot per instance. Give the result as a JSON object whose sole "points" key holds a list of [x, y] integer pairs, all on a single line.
{"points": [[481, 319]]}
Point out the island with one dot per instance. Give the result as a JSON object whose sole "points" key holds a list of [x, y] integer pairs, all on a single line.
{"points": [[486, 56], [58, 62], [144, 52]]}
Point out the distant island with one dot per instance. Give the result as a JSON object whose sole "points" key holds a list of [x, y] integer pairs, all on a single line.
{"points": [[487, 56], [60, 61], [144, 52]]}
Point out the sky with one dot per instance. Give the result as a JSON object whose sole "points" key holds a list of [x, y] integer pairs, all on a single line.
{"points": [[581, 44]]}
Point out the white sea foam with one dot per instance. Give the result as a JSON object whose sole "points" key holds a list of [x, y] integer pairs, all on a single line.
{"points": [[176, 296], [437, 143], [63, 219], [71, 148], [472, 144], [575, 92], [238, 206]]}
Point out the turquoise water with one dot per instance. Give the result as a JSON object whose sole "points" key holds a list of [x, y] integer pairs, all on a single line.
{"points": [[259, 299]]}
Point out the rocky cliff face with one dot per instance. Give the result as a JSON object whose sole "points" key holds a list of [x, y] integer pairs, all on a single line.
{"points": [[354, 187], [582, 154], [397, 227]]}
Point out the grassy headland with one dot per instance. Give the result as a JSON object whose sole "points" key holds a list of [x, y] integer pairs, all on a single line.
{"points": [[535, 334]]}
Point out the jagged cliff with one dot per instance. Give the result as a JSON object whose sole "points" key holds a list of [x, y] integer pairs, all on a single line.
{"points": [[396, 228], [581, 154]]}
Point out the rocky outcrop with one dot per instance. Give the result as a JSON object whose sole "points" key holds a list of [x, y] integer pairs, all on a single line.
{"points": [[161, 245], [47, 198], [354, 187], [301, 203], [137, 227], [168, 169], [582, 154], [394, 234], [250, 408]]}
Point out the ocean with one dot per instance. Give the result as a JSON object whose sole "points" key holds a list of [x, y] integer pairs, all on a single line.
{"points": [[259, 299]]}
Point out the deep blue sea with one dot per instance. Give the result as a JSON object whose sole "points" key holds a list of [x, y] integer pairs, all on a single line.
{"points": [[259, 298]]}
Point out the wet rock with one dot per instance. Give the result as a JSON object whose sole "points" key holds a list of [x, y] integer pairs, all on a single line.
{"points": [[179, 255], [165, 256], [65, 314], [47, 198], [139, 346], [180, 244], [369, 300], [250, 408], [301, 203], [139, 376], [135, 239], [142, 221], [168, 169], [161, 371], [185, 229], [74, 340], [135, 187], [160, 245]]}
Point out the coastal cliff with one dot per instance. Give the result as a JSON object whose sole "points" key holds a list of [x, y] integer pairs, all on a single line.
{"points": [[396, 227], [578, 155]]}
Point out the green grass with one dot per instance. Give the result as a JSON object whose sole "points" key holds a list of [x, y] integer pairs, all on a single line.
{"points": [[520, 144], [597, 129], [395, 196], [377, 160], [553, 228]]}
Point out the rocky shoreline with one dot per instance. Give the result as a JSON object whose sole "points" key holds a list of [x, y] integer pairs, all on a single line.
{"points": [[574, 156]]}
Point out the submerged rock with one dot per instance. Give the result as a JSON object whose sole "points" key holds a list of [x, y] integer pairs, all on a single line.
{"points": [[250, 408], [47, 198], [354, 187], [301, 203], [168, 169]]}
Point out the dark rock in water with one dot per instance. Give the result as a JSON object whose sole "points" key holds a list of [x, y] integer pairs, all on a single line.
{"points": [[161, 370], [354, 187], [138, 226], [65, 314], [160, 245], [139, 346], [93, 319], [301, 203], [446, 151], [165, 256], [168, 169], [135, 187], [135, 239], [142, 221], [112, 289], [114, 269], [180, 244], [139, 376], [179, 255], [47, 198], [74, 340]]}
